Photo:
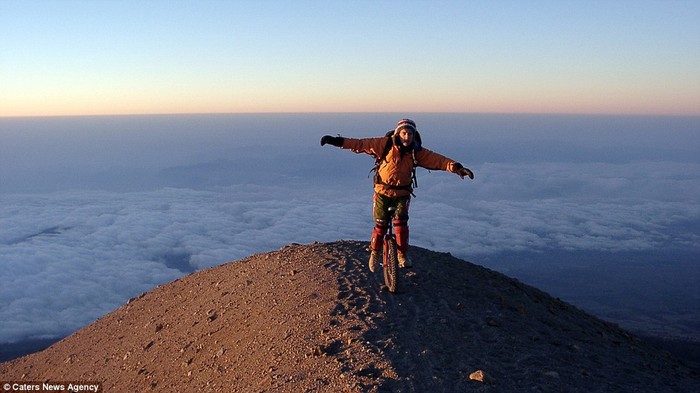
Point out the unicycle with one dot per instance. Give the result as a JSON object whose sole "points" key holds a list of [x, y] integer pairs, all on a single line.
{"points": [[390, 259]]}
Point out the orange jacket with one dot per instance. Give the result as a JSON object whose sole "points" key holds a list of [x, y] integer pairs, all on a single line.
{"points": [[395, 170]]}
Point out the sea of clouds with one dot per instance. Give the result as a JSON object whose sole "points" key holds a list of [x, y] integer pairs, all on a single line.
{"points": [[96, 210]]}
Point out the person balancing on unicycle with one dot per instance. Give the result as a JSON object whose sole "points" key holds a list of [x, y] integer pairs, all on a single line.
{"points": [[397, 155]]}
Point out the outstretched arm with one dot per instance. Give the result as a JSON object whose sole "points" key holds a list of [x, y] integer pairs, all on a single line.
{"points": [[372, 146], [431, 160]]}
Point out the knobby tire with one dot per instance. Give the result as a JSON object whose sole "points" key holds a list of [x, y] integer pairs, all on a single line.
{"points": [[391, 264]]}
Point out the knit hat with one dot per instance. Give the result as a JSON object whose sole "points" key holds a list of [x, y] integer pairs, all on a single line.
{"points": [[405, 123]]}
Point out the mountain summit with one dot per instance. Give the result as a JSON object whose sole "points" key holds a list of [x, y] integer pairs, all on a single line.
{"points": [[312, 318]]}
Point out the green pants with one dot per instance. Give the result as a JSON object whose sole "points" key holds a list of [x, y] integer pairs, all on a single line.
{"points": [[381, 205], [382, 219]]}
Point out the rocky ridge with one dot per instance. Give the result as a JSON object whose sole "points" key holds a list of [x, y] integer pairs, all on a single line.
{"points": [[312, 318]]}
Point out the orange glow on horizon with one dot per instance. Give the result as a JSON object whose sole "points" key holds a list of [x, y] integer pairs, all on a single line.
{"points": [[505, 103]]}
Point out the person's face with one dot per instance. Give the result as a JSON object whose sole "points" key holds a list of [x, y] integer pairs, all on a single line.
{"points": [[406, 136]]}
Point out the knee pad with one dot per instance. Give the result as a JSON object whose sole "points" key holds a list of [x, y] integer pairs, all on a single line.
{"points": [[400, 222], [381, 224], [380, 229], [401, 227]]}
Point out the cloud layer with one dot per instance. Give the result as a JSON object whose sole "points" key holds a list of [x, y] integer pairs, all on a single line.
{"points": [[71, 255]]}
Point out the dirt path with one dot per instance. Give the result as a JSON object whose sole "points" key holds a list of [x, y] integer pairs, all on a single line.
{"points": [[312, 318]]}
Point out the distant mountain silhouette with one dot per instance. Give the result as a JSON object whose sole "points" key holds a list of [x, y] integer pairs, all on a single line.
{"points": [[313, 318]]}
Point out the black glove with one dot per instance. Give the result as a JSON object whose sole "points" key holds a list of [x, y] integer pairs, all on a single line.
{"points": [[462, 171], [333, 140]]}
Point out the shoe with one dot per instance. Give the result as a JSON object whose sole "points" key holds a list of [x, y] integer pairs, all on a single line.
{"points": [[374, 258], [404, 261]]}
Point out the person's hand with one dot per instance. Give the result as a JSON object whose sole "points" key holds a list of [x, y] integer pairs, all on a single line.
{"points": [[462, 171], [465, 172], [332, 140]]}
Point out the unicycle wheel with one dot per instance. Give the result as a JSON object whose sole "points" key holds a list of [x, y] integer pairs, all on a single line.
{"points": [[391, 264]]}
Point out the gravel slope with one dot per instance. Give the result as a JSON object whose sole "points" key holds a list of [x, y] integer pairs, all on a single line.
{"points": [[312, 318]]}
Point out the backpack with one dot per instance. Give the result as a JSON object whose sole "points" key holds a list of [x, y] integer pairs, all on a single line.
{"points": [[417, 146]]}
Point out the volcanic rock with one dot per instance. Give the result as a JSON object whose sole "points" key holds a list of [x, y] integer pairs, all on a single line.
{"points": [[312, 318]]}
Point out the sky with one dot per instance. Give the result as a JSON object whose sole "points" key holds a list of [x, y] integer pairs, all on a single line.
{"points": [[600, 211], [88, 57]]}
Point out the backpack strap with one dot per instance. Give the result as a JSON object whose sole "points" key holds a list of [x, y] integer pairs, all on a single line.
{"points": [[413, 170], [389, 144], [378, 159]]}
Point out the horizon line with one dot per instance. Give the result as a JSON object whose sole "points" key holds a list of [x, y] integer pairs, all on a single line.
{"points": [[136, 114]]}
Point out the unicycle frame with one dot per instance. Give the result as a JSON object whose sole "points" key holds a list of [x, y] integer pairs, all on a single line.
{"points": [[390, 264]]}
